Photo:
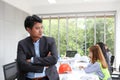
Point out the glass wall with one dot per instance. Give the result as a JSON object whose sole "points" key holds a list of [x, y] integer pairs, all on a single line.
{"points": [[79, 32]]}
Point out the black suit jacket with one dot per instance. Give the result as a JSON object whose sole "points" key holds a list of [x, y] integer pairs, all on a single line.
{"points": [[26, 51]]}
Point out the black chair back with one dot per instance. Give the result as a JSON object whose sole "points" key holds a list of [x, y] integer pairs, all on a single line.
{"points": [[112, 60], [10, 71], [70, 53]]}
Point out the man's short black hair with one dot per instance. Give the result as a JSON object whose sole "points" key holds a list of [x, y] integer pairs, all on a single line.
{"points": [[31, 20]]}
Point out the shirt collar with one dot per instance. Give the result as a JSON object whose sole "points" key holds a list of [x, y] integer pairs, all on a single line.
{"points": [[36, 41]]}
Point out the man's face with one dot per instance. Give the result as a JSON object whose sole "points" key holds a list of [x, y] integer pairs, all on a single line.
{"points": [[36, 31]]}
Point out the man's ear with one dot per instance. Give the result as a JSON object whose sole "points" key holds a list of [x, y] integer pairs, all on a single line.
{"points": [[28, 30]]}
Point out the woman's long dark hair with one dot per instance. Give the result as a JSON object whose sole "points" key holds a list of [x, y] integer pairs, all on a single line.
{"points": [[102, 46]]}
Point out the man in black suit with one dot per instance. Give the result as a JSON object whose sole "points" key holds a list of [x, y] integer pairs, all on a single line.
{"points": [[36, 54]]}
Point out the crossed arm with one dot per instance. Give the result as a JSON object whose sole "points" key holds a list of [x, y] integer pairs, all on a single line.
{"points": [[50, 59]]}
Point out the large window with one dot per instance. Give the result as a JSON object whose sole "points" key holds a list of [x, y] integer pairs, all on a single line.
{"points": [[80, 31]]}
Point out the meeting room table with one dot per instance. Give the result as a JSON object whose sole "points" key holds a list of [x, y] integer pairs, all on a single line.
{"points": [[76, 73]]}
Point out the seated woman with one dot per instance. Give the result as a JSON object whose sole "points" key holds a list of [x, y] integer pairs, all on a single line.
{"points": [[105, 54], [98, 64]]}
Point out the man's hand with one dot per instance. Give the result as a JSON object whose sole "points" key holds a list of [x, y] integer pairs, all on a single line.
{"points": [[49, 54], [81, 67], [28, 60]]}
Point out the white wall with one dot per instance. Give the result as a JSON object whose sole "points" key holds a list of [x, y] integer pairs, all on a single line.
{"points": [[117, 42], [11, 31]]}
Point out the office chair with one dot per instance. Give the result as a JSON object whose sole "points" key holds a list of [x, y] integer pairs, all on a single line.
{"points": [[70, 53], [116, 76], [111, 63], [10, 71], [112, 60]]}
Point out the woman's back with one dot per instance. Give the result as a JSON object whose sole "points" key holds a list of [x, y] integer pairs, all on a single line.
{"points": [[98, 70]]}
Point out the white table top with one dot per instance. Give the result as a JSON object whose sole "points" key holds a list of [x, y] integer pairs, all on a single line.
{"points": [[76, 73]]}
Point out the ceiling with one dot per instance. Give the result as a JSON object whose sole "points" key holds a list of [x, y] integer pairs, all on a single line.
{"points": [[36, 6]]}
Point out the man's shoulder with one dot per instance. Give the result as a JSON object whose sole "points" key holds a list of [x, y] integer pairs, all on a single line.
{"points": [[48, 38], [24, 40]]}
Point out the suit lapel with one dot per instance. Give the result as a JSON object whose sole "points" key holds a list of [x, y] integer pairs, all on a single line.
{"points": [[32, 46], [41, 46], [33, 50]]}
